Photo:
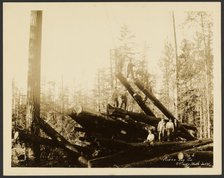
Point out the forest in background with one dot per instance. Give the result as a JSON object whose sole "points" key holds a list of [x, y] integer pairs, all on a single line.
{"points": [[186, 89], [187, 79]]}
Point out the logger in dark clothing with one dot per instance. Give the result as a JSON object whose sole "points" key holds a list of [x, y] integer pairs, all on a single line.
{"points": [[130, 70], [115, 98], [124, 100]]}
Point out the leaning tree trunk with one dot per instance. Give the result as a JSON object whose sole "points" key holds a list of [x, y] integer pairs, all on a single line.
{"points": [[33, 87], [136, 96]]}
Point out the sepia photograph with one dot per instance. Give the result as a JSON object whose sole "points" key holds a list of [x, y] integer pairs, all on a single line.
{"points": [[112, 85]]}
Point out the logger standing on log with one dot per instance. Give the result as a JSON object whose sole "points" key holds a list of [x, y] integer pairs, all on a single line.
{"points": [[115, 98], [169, 130], [124, 100], [130, 70], [161, 129]]}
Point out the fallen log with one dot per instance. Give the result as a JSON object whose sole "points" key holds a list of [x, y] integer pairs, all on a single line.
{"points": [[59, 139], [92, 121], [135, 96], [139, 152], [133, 128], [138, 117], [110, 160], [177, 158], [99, 125], [30, 138], [126, 155], [113, 143]]}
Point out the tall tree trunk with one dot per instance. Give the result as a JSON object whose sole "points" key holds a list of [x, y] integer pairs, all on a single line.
{"points": [[33, 87], [99, 90], [201, 120], [176, 55], [13, 96], [204, 115], [206, 78], [111, 70]]}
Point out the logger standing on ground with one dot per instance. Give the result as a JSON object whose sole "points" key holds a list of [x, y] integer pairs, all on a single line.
{"points": [[161, 129], [130, 70], [169, 130]]}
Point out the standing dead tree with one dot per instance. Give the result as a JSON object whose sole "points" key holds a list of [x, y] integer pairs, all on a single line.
{"points": [[33, 86]]}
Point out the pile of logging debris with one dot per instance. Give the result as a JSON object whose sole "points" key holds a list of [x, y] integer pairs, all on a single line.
{"points": [[116, 139]]}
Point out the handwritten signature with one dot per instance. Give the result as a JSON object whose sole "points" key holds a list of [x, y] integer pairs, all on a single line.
{"points": [[187, 162]]}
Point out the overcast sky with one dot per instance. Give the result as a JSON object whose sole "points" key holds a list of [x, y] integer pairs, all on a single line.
{"points": [[77, 37]]}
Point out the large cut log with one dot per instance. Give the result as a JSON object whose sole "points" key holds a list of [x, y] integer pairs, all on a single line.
{"points": [[97, 124], [124, 136], [92, 121], [189, 157], [139, 117], [135, 96], [138, 153], [59, 139]]}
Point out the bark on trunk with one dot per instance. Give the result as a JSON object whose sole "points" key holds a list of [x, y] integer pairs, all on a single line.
{"points": [[33, 86]]}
